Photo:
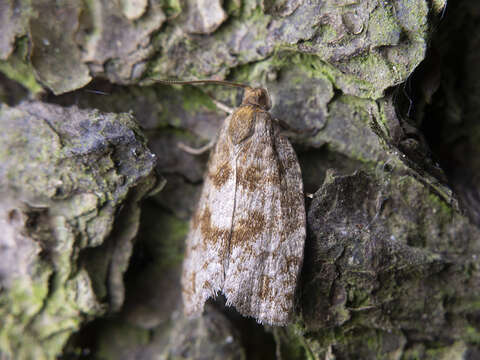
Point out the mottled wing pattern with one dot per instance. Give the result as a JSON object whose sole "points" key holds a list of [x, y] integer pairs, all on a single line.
{"points": [[266, 247], [210, 228]]}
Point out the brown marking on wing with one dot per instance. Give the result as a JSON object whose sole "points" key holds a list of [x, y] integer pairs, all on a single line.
{"points": [[196, 219], [221, 175], [281, 169], [189, 291], [265, 290], [247, 229], [264, 150], [190, 250], [253, 177], [246, 148], [290, 295], [260, 153], [250, 178], [292, 262], [285, 308], [291, 162], [192, 279], [211, 234], [288, 215], [224, 147], [245, 152], [207, 285]]}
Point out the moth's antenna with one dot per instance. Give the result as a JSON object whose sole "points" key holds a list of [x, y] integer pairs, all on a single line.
{"points": [[193, 82]]}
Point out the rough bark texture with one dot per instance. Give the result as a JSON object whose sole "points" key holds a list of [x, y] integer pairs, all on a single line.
{"points": [[391, 267], [70, 181]]}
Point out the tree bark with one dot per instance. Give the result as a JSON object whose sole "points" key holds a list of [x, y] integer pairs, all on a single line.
{"points": [[384, 98]]}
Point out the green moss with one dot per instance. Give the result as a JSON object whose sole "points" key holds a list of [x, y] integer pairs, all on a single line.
{"points": [[251, 9], [163, 236], [18, 307], [372, 343], [174, 232], [172, 8], [189, 98], [25, 298], [453, 352], [195, 99], [233, 7], [374, 69], [19, 69], [328, 33], [253, 74], [383, 27], [382, 122], [440, 204], [312, 65], [120, 336], [292, 343], [412, 354], [315, 67], [472, 335]]}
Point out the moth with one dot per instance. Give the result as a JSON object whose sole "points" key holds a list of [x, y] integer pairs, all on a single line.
{"points": [[247, 234]]}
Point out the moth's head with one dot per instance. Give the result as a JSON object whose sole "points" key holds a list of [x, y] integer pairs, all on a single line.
{"points": [[257, 97]]}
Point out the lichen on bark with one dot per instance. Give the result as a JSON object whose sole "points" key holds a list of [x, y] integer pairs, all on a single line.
{"points": [[65, 173], [386, 125]]}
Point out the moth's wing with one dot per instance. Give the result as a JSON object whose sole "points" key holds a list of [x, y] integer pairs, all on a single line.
{"points": [[266, 248], [207, 240]]}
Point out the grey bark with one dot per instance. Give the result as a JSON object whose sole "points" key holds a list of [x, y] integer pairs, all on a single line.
{"points": [[89, 267]]}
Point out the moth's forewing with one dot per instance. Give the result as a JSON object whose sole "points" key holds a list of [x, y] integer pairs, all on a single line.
{"points": [[248, 232], [210, 229], [266, 248]]}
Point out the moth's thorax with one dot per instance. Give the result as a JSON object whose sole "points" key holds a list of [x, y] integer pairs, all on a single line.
{"points": [[242, 123], [257, 97]]}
